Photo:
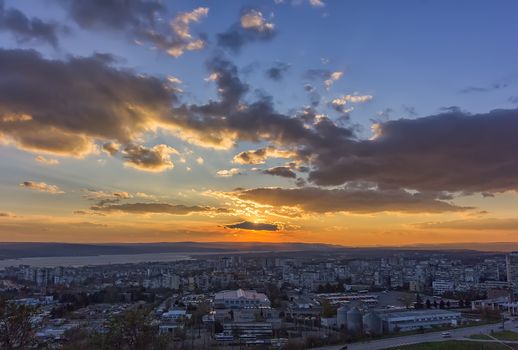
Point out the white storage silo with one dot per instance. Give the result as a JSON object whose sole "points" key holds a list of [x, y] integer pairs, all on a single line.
{"points": [[372, 323], [354, 321], [341, 317]]}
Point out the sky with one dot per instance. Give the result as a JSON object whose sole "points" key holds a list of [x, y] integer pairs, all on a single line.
{"points": [[352, 122]]}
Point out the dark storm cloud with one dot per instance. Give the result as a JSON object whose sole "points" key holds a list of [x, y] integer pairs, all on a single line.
{"points": [[282, 171], [247, 225], [277, 71], [251, 28], [352, 200], [44, 108], [453, 151], [27, 29], [474, 89], [153, 208]]}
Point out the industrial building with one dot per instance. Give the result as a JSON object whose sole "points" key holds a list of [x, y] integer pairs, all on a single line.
{"points": [[259, 329], [237, 299], [404, 321]]}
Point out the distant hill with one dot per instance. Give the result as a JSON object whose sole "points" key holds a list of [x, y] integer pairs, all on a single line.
{"points": [[483, 247], [33, 249]]}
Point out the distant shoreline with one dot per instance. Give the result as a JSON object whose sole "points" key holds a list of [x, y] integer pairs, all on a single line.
{"points": [[111, 259]]}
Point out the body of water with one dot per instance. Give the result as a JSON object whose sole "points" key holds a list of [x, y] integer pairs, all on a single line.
{"points": [[76, 261]]}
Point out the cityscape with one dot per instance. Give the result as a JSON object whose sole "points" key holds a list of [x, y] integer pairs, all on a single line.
{"points": [[258, 174], [269, 300]]}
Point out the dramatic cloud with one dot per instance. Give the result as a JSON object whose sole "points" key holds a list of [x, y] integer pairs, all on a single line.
{"points": [[27, 29], [112, 148], [277, 71], [44, 109], [42, 187], [228, 172], [102, 198], [326, 76], [260, 156], [282, 171], [340, 104], [247, 225], [153, 208], [251, 27], [453, 151], [181, 39], [332, 78], [352, 200], [341, 101], [154, 159], [140, 19], [46, 161], [220, 124], [100, 195], [254, 20]]}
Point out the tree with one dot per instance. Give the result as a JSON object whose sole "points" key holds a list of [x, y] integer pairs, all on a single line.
{"points": [[408, 299], [441, 304], [419, 302], [293, 345], [428, 304], [448, 305], [461, 303], [197, 315], [131, 331], [81, 339], [218, 327], [328, 310], [15, 325]]}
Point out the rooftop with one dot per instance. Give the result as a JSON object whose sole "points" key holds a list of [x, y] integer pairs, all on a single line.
{"points": [[240, 294], [418, 313]]}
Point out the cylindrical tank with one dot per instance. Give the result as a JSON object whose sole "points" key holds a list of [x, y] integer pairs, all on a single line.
{"points": [[341, 317], [372, 323], [354, 321]]}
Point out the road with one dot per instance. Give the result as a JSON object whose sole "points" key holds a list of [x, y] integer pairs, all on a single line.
{"points": [[458, 334]]}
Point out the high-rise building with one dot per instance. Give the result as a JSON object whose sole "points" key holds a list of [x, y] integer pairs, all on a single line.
{"points": [[511, 261]]}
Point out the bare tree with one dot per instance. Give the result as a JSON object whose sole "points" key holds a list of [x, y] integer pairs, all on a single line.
{"points": [[16, 330]]}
